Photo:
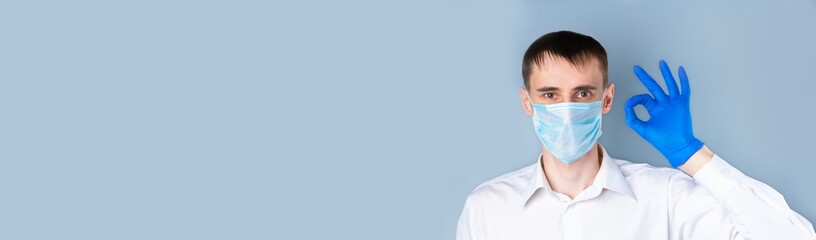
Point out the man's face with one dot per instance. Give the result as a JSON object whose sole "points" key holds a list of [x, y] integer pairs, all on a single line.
{"points": [[558, 81]]}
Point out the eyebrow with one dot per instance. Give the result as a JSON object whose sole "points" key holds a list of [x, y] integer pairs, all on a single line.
{"points": [[547, 89], [584, 88], [578, 88]]}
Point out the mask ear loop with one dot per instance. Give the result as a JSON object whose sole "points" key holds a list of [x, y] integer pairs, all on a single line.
{"points": [[603, 98], [532, 104]]}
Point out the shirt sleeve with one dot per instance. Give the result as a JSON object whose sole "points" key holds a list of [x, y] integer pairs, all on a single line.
{"points": [[720, 202], [469, 225]]}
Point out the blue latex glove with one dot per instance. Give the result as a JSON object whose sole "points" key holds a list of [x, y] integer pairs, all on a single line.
{"points": [[669, 126]]}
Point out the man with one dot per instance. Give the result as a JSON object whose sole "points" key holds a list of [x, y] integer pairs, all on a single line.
{"points": [[575, 190]]}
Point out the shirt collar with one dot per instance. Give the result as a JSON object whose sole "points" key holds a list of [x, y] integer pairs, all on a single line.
{"points": [[609, 177]]}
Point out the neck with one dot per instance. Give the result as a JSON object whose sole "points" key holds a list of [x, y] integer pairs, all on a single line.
{"points": [[571, 179]]}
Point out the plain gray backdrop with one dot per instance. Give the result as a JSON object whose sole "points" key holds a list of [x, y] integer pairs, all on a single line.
{"points": [[352, 119]]}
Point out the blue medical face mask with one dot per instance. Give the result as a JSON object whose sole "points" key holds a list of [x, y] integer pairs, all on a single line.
{"points": [[568, 130]]}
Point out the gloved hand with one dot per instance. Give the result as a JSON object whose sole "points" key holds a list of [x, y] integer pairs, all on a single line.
{"points": [[669, 126]]}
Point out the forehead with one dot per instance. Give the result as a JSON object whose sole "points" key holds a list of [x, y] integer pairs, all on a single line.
{"points": [[558, 72]]}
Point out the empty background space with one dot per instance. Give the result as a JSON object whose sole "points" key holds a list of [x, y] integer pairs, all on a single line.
{"points": [[352, 119]]}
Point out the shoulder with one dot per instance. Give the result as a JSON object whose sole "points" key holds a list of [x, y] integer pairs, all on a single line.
{"points": [[505, 187], [643, 173], [645, 170]]}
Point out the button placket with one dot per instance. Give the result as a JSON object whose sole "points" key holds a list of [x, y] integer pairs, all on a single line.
{"points": [[566, 221]]}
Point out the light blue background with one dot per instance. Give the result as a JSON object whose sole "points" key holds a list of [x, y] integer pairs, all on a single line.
{"points": [[351, 119]]}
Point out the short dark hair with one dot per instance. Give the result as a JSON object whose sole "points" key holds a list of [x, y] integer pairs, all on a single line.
{"points": [[576, 48]]}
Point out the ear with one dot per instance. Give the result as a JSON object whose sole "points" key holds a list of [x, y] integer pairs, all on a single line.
{"points": [[525, 101], [608, 97]]}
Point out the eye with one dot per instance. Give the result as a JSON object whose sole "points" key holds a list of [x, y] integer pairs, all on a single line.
{"points": [[583, 94], [549, 95]]}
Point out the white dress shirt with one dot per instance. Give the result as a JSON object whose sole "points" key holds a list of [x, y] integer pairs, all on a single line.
{"points": [[631, 201]]}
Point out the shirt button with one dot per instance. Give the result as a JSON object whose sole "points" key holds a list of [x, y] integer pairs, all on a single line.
{"points": [[726, 171]]}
